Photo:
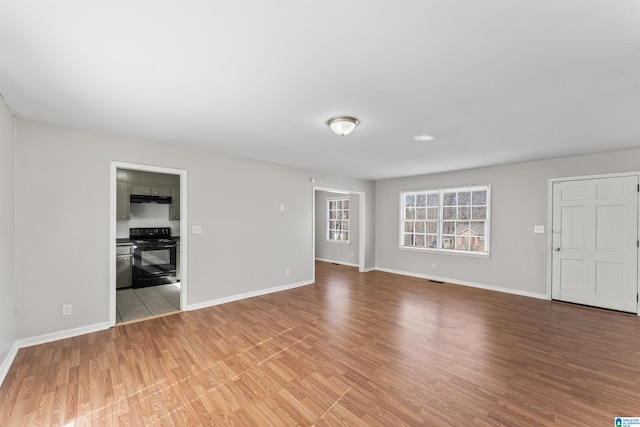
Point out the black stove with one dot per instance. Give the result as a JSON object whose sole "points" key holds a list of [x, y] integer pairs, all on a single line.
{"points": [[154, 256]]}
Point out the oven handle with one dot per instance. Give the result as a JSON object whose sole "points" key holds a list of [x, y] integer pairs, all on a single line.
{"points": [[154, 248]]}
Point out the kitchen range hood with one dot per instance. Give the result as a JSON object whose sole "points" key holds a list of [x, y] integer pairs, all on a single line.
{"points": [[140, 198]]}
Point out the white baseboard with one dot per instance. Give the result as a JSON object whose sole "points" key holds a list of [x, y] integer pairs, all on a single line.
{"points": [[60, 335], [350, 264], [465, 283], [246, 295], [8, 360]]}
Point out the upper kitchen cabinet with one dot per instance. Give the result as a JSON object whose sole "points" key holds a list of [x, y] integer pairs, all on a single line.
{"points": [[122, 201], [142, 183], [174, 211], [149, 190]]}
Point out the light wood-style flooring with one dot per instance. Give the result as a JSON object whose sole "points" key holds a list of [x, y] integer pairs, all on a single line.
{"points": [[354, 349]]}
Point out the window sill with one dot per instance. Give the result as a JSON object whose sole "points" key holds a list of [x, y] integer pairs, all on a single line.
{"points": [[447, 252], [339, 242]]}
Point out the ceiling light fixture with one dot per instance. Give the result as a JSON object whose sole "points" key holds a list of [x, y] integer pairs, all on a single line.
{"points": [[423, 138], [343, 125]]}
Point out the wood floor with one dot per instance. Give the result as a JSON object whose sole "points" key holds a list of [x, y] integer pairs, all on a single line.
{"points": [[370, 349]]}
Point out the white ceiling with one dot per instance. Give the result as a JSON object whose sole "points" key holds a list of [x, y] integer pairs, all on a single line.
{"points": [[494, 81]]}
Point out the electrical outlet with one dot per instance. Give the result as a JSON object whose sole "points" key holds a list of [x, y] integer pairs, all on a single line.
{"points": [[66, 309], [287, 272], [433, 265]]}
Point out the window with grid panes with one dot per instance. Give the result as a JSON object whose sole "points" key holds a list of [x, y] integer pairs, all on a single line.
{"points": [[338, 219], [451, 219]]}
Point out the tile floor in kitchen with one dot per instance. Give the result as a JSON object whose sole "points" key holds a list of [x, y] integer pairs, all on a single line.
{"points": [[134, 304]]}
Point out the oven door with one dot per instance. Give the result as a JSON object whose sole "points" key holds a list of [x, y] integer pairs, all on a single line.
{"points": [[153, 264]]}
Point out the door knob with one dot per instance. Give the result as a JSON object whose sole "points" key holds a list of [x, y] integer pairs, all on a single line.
{"points": [[556, 249]]}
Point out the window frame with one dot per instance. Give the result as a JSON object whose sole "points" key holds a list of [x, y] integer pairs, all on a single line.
{"points": [[440, 220], [328, 220]]}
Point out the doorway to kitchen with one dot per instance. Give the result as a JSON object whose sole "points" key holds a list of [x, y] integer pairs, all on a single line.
{"points": [[148, 251]]}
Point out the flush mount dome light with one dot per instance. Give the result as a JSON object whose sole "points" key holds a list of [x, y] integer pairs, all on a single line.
{"points": [[423, 137], [343, 125]]}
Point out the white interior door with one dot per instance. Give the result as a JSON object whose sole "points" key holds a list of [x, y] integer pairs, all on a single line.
{"points": [[595, 242]]}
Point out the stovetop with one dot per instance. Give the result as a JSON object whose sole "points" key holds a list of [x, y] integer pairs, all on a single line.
{"points": [[150, 233]]}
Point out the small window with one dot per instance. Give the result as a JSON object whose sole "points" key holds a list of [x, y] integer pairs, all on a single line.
{"points": [[338, 219], [452, 219]]}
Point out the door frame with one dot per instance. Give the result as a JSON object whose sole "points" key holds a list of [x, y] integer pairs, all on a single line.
{"points": [[361, 226], [115, 165], [550, 183]]}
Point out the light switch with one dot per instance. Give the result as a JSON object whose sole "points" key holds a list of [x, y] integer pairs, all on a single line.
{"points": [[538, 229], [196, 229]]}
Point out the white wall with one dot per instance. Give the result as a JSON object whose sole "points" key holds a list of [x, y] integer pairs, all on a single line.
{"points": [[519, 201], [62, 235], [342, 253], [7, 260]]}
